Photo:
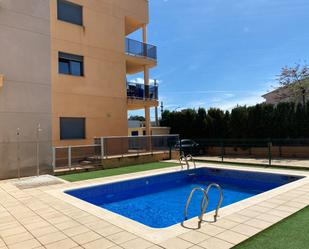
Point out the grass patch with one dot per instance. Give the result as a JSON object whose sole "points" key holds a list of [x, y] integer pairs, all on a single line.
{"points": [[290, 233], [117, 171]]}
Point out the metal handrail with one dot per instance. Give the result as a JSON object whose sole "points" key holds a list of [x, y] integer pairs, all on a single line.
{"points": [[220, 200], [137, 48], [185, 158], [204, 204]]}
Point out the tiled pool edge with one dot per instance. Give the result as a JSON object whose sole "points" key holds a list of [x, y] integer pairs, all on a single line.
{"points": [[161, 235]]}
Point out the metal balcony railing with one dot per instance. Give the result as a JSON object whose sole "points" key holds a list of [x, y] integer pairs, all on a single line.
{"points": [[141, 91], [138, 48]]}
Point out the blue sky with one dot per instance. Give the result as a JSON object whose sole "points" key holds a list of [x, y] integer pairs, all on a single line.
{"points": [[220, 53]]}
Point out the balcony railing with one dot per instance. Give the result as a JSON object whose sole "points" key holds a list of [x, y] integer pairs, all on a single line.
{"points": [[138, 48], [141, 91]]}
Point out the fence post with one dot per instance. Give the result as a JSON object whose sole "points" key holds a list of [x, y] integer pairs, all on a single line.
{"points": [[269, 153], [222, 151], [102, 147], [54, 160], [180, 148], [70, 157], [38, 149], [18, 152]]}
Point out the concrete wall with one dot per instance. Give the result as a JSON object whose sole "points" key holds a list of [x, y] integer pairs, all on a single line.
{"points": [[25, 98]]}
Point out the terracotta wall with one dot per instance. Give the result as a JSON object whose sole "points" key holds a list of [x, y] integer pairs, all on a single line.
{"points": [[100, 95]]}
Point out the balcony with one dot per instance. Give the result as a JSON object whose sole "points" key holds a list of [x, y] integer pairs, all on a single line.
{"points": [[141, 91], [140, 95], [137, 48], [138, 55]]}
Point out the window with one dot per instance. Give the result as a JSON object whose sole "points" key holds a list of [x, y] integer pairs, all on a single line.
{"points": [[72, 128], [134, 133], [71, 64], [70, 12]]}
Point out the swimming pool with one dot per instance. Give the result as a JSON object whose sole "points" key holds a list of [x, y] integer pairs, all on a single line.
{"points": [[158, 201]]}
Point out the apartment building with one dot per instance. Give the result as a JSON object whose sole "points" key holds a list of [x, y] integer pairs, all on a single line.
{"points": [[63, 71], [25, 88], [91, 58]]}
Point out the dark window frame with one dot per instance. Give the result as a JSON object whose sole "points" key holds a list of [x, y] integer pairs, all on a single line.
{"points": [[69, 59], [74, 5], [66, 137]]}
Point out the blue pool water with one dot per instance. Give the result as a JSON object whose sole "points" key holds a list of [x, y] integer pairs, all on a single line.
{"points": [[159, 201]]}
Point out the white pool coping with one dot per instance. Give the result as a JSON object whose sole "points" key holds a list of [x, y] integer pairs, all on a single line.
{"points": [[157, 235]]}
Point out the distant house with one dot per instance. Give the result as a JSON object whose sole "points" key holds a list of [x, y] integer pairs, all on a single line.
{"points": [[137, 128], [286, 94]]}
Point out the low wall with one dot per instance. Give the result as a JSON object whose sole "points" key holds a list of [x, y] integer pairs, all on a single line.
{"points": [[137, 159], [118, 162], [276, 151]]}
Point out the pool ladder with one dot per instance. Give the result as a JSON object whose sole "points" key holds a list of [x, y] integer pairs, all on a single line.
{"points": [[187, 159], [204, 202]]}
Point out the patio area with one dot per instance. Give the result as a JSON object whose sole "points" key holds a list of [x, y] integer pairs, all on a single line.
{"points": [[36, 217]]}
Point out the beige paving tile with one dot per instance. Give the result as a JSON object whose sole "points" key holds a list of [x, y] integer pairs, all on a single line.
{"points": [[196, 247], [29, 244], [99, 244], [13, 231], [194, 237], [269, 218], [295, 204], [67, 224], [259, 209], [136, 244], [286, 208], [249, 213], [9, 240], [246, 230], [51, 238], [76, 230], [176, 243], [43, 231], [98, 224], [258, 223], [86, 237], [211, 230], [155, 247], [215, 243], [63, 244], [106, 231], [231, 237], [267, 204], [237, 218], [225, 223], [279, 213], [121, 237]]}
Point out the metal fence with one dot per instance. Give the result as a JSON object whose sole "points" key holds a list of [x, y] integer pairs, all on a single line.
{"points": [[111, 147], [25, 158], [138, 48], [141, 91], [285, 152]]}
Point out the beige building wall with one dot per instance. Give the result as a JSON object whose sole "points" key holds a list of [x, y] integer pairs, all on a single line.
{"points": [[25, 95], [100, 95]]}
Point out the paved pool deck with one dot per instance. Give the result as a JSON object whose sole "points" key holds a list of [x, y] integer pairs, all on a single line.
{"points": [[43, 217]]}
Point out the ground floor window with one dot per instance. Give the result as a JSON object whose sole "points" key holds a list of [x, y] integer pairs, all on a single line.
{"points": [[134, 133], [72, 128]]}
